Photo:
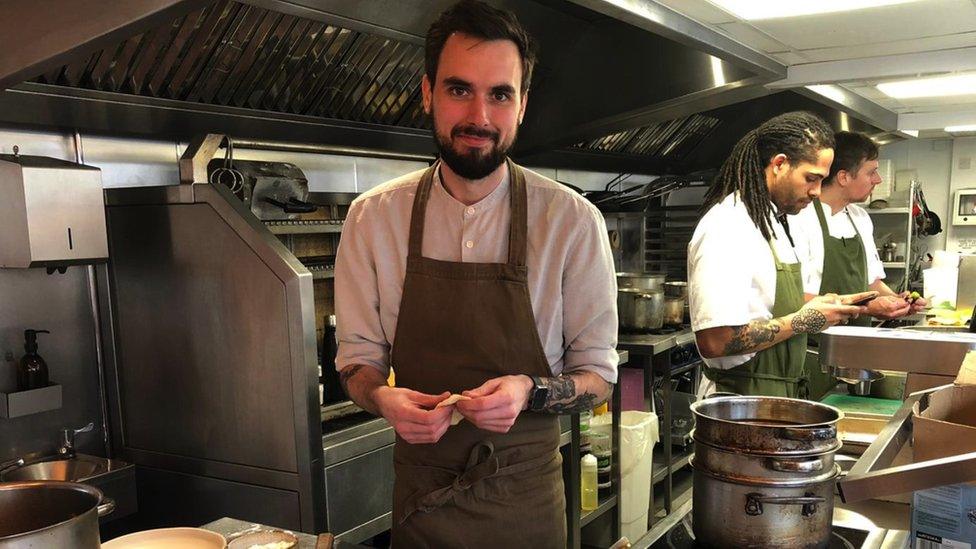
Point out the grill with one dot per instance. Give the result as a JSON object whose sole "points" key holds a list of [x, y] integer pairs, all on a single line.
{"points": [[238, 55]]}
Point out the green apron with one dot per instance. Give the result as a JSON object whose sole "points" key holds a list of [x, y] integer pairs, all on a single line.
{"points": [[778, 370], [845, 271]]}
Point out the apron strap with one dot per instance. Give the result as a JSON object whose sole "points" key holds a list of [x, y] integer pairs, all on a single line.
{"points": [[518, 229], [824, 229], [417, 215], [482, 464]]}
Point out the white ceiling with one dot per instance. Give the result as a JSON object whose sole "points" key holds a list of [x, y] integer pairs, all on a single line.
{"points": [[861, 48]]}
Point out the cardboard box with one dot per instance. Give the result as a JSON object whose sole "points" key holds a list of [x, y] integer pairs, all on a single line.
{"points": [[920, 382], [945, 517]]}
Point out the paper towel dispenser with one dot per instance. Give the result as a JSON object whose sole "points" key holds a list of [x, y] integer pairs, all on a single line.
{"points": [[52, 212]]}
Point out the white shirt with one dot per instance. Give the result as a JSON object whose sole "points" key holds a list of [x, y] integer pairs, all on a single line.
{"points": [[805, 228], [731, 272], [571, 278]]}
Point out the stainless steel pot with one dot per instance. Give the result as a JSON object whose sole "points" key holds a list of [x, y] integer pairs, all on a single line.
{"points": [[643, 281], [640, 310], [766, 425], [674, 310], [743, 467], [676, 289], [729, 514], [51, 514]]}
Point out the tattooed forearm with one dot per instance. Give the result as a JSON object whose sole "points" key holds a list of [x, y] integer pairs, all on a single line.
{"points": [[745, 338], [809, 321], [346, 373], [565, 397]]}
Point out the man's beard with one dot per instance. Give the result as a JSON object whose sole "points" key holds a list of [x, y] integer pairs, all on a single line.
{"points": [[474, 164]]}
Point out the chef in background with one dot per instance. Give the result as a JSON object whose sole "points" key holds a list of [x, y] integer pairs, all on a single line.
{"points": [[835, 241], [748, 308]]}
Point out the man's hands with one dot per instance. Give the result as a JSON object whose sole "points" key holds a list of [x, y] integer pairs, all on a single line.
{"points": [[889, 306], [824, 311], [412, 414], [496, 404], [916, 301]]}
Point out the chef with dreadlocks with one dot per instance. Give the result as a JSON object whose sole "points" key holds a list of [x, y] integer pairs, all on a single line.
{"points": [[745, 288]]}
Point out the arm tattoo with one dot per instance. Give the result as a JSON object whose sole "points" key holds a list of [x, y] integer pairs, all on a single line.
{"points": [[809, 321], [563, 399], [749, 336], [346, 374]]}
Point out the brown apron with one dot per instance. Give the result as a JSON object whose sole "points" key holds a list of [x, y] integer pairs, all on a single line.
{"points": [[461, 324]]}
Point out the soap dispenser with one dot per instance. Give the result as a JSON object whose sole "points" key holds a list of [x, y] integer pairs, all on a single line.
{"points": [[32, 371]]}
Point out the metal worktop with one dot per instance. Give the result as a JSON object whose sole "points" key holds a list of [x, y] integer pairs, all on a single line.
{"points": [[652, 344]]}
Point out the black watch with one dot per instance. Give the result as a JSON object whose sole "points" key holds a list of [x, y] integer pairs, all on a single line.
{"points": [[538, 395]]}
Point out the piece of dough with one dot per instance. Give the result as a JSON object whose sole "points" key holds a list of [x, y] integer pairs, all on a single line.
{"points": [[456, 417]]}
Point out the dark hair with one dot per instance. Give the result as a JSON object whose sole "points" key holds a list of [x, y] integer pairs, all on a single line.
{"points": [[479, 20], [799, 135], [851, 150]]}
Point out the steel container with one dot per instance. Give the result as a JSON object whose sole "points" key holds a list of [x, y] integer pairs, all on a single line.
{"points": [[744, 467], [768, 515], [640, 310], [642, 281], [766, 425], [50, 514]]}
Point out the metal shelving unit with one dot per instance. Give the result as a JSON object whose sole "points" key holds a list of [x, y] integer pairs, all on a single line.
{"points": [[911, 238], [576, 519]]}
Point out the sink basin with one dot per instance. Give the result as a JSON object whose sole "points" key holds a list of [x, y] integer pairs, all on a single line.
{"points": [[77, 468]]}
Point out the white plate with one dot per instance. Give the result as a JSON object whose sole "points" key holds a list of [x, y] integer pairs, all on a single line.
{"points": [[169, 538]]}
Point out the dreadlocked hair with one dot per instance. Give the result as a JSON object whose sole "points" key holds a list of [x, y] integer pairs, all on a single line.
{"points": [[799, 135]]}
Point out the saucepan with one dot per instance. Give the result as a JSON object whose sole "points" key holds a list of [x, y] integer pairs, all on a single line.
{"points": [[640, 309]]}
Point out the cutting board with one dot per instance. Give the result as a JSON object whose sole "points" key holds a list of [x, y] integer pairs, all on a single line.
{"points": [[863, 405]]}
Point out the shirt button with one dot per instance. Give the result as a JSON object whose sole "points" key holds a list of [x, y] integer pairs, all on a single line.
{"points": [[469, 244], [469, 211]]}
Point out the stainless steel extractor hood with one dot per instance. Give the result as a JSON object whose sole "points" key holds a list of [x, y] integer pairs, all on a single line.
{"points": [[620, 86], [347, 72]]}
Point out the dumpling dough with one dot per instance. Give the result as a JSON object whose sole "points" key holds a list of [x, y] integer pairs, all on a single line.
{"points": [[456, 417]]}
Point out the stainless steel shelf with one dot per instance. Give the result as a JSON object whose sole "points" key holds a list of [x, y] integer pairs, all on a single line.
{"points": [[605, 504], [305, 226]]}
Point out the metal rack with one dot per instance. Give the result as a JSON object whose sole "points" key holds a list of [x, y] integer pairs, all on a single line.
{"points": [[912, 238]]}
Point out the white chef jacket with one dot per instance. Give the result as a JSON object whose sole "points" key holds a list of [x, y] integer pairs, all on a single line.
{"points": [[731, 272], [805, 229]]}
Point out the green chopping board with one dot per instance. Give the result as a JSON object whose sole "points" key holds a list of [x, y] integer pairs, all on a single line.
{"points": [[863, 405]]}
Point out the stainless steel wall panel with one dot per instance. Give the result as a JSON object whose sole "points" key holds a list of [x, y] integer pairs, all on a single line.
{"points": [[132, 162], [191, 500], [188, 379], [371, 172], [30, 298], [214, 369], [359, 490]]}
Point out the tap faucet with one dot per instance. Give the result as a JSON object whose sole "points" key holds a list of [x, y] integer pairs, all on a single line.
{"points": [[68, 439]]}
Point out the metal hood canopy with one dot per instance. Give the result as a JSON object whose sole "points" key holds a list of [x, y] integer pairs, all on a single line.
{"points": [[615, 81]]}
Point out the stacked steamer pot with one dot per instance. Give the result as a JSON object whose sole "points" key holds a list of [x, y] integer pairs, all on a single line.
{"points": [[764, 472]]}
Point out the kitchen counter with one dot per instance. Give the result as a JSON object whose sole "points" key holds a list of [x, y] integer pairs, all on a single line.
{"points": [[652, 344]]}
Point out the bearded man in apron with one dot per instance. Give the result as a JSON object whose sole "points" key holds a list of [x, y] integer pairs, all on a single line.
{"points": [[479, 278], [835, 239], [746, 298]]}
